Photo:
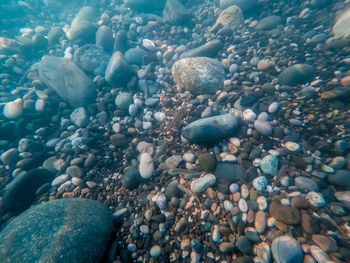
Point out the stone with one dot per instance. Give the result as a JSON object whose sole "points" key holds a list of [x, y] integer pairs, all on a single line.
{"points": [[155, 251], [54, 35], [292, 146], [341, 178], [68, 80], [243, 244], [146, 167], [337, 162], [343, 197], [210, 129], [58, 231], [341, 28], [119, 140], [146, 5], [245, 5], [318, 254], [121, 41], [327, 244], [21, 191], [118, 72], [231, 16], [131, 178], [74, 171], [310, 224], [286, 249], [263, 252], [10, 156], [269, 164], [215, 234], [82, 27], [172, 190], [260, 221], [299, 202], [242, 205], [269, 22], [260, 183], [226, 247], [242, 260], [123, 101], [198, 75], [263, 127], [284, 214], [297, 74], [13, 109], [209, 49], [201, 184], [92, 59], [228, 173], [207, 162], [172, 162], [264, 64], [316, 199], [175, 12], [228, 206], [306, 183], [137, 56], [79, 117], [104, 38]]}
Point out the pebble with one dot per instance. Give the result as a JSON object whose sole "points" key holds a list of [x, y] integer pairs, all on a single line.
{"points": [[215, 234], [306, 183], [263, 127], [144, 229], [248, 115], [260, 221], [13, 109], [234, 188], [189, 157], [243, 206], [260, 183], [292, 146], [159, 116], [269, 164], [155, 251], [273, 107], [201, 184], [318, 254], [226, 247], [61, 179], [286, 249], [316, 199], [228, 206], [146, 167], [262, 202], [162, 202]]}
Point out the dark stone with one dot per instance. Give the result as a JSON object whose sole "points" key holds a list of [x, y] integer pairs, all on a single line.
{"points": [[244, 245], [228, 173], [209, 49], [131, 178], [248, 100], [121, 42], [207, 162], [137, 56], [66, 230], [341, 178], [118, 71], [243, 260], [104, 38], [175, 12], [146, 5], [284, 214], [172, 190], [297, 74], [54, 35], [310, 224], [20, 192], [119, 140]]}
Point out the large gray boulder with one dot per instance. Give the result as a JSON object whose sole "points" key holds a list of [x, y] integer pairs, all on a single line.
{"points": [[83, 26], [60, 231], [68, 80], [198, 75]]}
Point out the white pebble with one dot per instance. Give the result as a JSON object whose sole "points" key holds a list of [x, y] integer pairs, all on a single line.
{"points": [[161, 202], [242, 205], [155, 251], [146, 167], [133, 109], [40, 105], [189, 157], [285, 201], [159, 116], [292, 146], [60, 180], [13, 109], [144, 229], [228, 206], [234, 188], [215, 234], [147, 125], [285, 180], [273, 107], [248, 115], [262, 202], [149, 45], [260, 183]]}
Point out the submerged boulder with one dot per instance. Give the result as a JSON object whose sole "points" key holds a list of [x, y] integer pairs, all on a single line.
{"points": [[68, 80], [210, 129], [118, 71], [175, 12], [341, 27], [198, 75], [66, 230], [83, 26], [231, 16], [146, 5], [297, 74], [209, 49]]}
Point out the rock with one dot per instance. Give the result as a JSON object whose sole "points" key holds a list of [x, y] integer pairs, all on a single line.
{"points": [[104, 38], [181, 225], [248, 115], [269, 164], [328, 244], [68, 80], [210, 129], [245, 5], [118, 72], [284, 214], [199, 75], [263, 127], [82, 27], [123, 101], [201, 184], [299, 202], [172, 162], [79, 117], [207, 162], [119, 140], [226, 247], [297, 74], [306, 183], [341, 178], [260, 183], [215, 234], [269, 22], [137, 56], [341, 28], [243, 244], [161, 202], [343, 197], [175, 12], [260, 221], [318, 254], [14, 109], [209, 49], [228, 206], [54, 35], [146, 167], [228, 173], [10, 156], [263, 252], [131, 178], [121, 42], [316, 199], [146, 5], [155, 251], [286, 249], [59, 231], [242, 205], [92, 59], [21, 191], [264, 64], [310, 224], [172, 190], [74, 171], [242, 260], [231, 16], [160, 116]]}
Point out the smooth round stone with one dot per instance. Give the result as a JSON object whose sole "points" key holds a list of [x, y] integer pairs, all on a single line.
{"points": [[189, 157], [263, 127], [285, 180], [144, 229], [146, 125], [260, 221], [149, 45], [123, 101], [146, 167], [263, 116], [155, 251], [243, 244], [316, 199], [104, 38], [297, 74], [161, 202], [74, 171], [273, 107], [243, 206], [292, 146], [201, 184], [77, 181], [233, 68], [228, 206], [119, 140], [341, 146], [284, 214], [269, 164], [131, 178], [132, 248], [230, 16], [337, 162], [226, 247], [234, 188], [260, 183], [248, 115], [318, 254], [262, 202], [215, 234], [133, 109], [159, 116], [252, 234], [210, 129], [306, 183], [285, 201], [263, 252], [286, 249], [61, 179], [343, 197], [327, 244], [80, 117], [13, 109], [264, 64], [340, 178]]}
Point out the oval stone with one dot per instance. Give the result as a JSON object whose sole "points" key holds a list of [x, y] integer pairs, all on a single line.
{"points": [[286, 249]]}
